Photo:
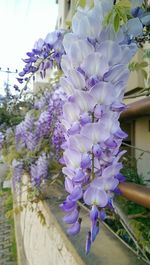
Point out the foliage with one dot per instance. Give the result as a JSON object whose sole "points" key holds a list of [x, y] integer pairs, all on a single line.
{"points": [[8, 207], [119, 14]]}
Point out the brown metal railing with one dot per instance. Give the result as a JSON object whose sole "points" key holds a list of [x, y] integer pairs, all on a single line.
{"points": [[136, 193]]}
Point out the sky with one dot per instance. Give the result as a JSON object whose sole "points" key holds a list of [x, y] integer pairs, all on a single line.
{"points": [[22, 22]]}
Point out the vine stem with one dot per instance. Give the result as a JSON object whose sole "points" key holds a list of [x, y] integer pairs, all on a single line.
{"points": [[145, 258], [138, 95], [122, 221], [132, 146]]}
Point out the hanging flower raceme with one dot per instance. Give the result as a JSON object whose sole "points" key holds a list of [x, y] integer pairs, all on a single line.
{"points": [[96, 71], [43, 56], [17, 167], [1, 139], [39, 170]]}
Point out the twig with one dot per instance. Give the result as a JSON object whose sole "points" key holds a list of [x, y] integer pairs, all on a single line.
{"points": [[141, 215], [137, 148], [138, 95]]}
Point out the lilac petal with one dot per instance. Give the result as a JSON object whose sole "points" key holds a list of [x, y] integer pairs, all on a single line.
{"points": [[67, 86], [98, 111], [134, 27], [92, 81], [79, 50], [80, 143], [97, 150], [68, 206], [145, 19], [71, 112], [76, 194], [72, 158], [85, 161], [94, 64], [94, 231], [79, 177], [102, 215], [120, 177], [95, 196], [103, 93], [74, 229], [20, 80], [110, 143], [88, 243], [77, 80], [84, 119], [95, 132], [118, 107], [75, 128], [84, 101], [69, 185], [68, 172], [22, 73], [72, 217], [117, 73], [66, 65], [120, 134], [110, 184], [112, 171], [137, 11], [117, 191], [111, 51], [94, 213]]}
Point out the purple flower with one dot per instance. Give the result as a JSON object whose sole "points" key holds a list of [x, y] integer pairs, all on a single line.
{"points": [[76, 194], [39, 170], [17, 170], [72, 217], [88, 243], [1, 139], [68, 205], [102, 215], [95, 196], [94, 230], [94, 213], [75, 228]]}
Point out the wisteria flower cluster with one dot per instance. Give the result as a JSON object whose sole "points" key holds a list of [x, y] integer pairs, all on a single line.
{"points": [[1, 139], [45, 55], [96, 71], [40, 129]]}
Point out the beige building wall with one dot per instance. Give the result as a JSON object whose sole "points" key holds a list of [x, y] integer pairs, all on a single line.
{"points": [[142, 140]]}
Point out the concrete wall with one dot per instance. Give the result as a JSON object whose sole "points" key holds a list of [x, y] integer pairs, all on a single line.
{"points": [[142, 140], [49, 244]]}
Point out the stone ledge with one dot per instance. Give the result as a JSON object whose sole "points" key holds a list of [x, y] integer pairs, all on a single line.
{"points": [[49, 244]]}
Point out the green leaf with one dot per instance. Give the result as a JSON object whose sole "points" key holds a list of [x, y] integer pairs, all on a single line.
{"points": [[81, 3], [143, 64], [121, 12], [108, 18], [144, 74], [146, 53], [68, 23], [116, 22], [124, 3]]}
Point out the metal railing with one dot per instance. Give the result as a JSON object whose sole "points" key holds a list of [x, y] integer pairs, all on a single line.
{"points": [[136, 193]]}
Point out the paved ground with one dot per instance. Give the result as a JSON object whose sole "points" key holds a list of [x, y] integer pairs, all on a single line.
{"points": [[7, 257]]}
